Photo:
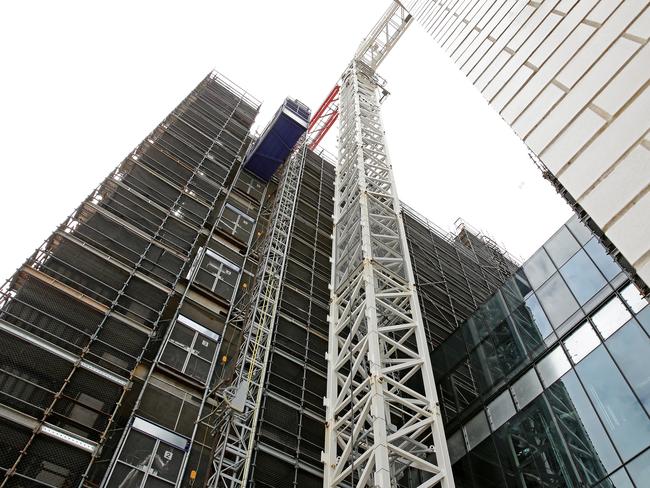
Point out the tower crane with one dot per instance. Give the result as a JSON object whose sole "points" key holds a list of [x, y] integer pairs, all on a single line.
{"points": [[383, 420]]}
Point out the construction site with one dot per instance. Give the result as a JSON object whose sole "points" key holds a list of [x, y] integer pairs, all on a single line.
{"points": [[232, 308]]}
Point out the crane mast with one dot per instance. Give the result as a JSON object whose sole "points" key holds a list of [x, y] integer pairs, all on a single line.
{"points": [[379, 427]]}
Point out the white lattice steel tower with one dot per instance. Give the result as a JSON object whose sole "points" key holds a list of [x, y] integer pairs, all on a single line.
{"points": [[383, 417]]}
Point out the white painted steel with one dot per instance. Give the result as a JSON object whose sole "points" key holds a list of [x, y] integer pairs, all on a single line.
{"points": [[238, 413], [378, 427]]}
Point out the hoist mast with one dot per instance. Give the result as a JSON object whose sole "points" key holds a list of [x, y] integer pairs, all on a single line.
{"points": [[383, 419]]}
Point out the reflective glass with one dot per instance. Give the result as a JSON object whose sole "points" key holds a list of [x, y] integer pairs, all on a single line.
{"points": [[585, 436], [477, 430], [561, 246], [500, 410], [640, 469], [605, 263], [531, 448], [633, 298], [167, 462], [538, 268], [583, 277], [553, 366], [579, 230], [644, 319], [611, 317], [620, 479], [456, 446], [630, 347], [581, 342], [526, 389], [623, 416], [539, 319], [557, 300]]}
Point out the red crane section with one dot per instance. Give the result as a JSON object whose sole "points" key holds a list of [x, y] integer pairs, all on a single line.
{"points": [[324, 118]]}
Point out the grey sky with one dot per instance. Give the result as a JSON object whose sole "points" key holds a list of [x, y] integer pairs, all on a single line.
{"points": [[82, 83]]}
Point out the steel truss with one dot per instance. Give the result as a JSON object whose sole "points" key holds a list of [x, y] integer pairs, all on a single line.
{"points": [[238, 413], [379, 428]]}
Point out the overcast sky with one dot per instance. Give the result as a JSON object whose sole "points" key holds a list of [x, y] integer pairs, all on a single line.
{"points": [[83, 82]]}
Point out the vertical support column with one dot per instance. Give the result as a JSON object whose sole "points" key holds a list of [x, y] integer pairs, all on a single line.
{"points": [[238, 413], [383, 418]]}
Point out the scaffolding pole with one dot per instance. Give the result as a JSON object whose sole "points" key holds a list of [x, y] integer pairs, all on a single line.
{"points": [[379, 428]]}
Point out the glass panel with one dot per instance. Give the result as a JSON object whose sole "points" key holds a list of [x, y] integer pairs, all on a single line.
{"points": [[532, 450], [583, 277], [182, 335], [197, 368], [205, 347], [623, 416], [605, 263], [639, 469], [557, 300], [539, 319], [538, 268], [579, 230], [585, 436], [167, 462], [174, 356], [633, 298], [137, 449], [611, 317], [561, 246], [456, 446], [581, 342], [153, 482], [500, 410], [477, 429], [124, 476], [553, 366], [620, 479], [526, 389], [630, 348]]}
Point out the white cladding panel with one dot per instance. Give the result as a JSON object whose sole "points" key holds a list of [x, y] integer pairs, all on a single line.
{"points": [[571, 78]]}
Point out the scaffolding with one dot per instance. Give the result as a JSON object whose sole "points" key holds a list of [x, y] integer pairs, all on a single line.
{"points": [[95, 299]]}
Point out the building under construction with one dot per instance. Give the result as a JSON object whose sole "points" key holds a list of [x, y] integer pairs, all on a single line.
{"points": [[137, 302], [235, 310]]}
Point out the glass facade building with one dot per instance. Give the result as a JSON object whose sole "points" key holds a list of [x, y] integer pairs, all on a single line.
{"points": [[547, 384]]}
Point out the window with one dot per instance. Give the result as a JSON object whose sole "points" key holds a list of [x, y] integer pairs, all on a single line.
{"points": [[557, 300], [217, 274], [633, 298], [500, 410], [477, 430], [604, 262], [611, 317], [538, 268], [250, 185], [623, 417], [150, 457], [553, 366], [585, 436], [582, 276], [581, 342], [237, 222], [537, 317], [561, 246], [630, 348], [526, 389], [190, 349]]}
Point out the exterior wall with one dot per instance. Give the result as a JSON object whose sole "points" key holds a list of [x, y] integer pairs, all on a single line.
{"points": [[571, 78], [547, 383]]}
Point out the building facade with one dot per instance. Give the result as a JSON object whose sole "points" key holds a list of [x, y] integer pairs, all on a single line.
{"points": [[547, 383], [119, 330], [571, 79]]}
